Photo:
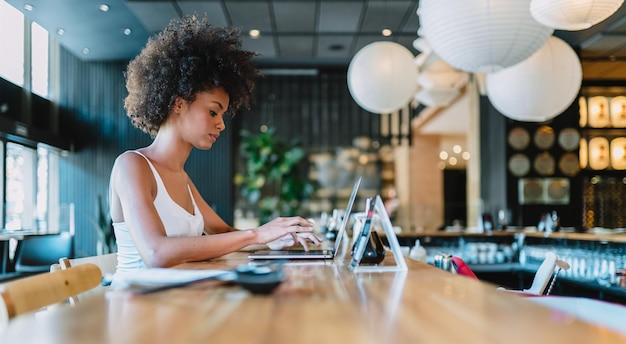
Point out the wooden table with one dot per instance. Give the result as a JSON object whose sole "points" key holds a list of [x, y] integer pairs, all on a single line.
{"points": [[323, 302]]}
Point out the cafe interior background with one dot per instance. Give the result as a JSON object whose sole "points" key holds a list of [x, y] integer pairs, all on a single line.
{"points": [[454, 133]]}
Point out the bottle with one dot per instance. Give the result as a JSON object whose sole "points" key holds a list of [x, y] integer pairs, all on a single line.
{"points": [[418, 252]]}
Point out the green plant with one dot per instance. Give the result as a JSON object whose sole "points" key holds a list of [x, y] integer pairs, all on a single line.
{"points": [[104, 228], [272, 180]]}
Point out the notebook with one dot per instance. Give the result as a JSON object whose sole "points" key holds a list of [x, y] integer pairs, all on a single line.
{"points": [[314, 254]]}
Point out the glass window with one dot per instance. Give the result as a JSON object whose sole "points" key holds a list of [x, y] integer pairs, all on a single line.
{"points": [[12, 43], [31, 188], [2, 184], [39, 60], [20, 194], [41, 214]]}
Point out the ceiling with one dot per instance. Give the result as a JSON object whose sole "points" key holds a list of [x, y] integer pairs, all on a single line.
{"points": [[294, 33]]}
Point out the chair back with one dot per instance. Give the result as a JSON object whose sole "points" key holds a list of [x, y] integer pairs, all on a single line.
{"points": [[107, 264], [462, 268], [36, 253], [543, 275], [35, 292]]}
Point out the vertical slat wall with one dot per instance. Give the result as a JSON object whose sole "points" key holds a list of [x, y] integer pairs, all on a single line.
{"points": [[316, 108]]}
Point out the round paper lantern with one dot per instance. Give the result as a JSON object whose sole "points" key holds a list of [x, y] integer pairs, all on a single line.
{"points": [[573, 15], [540, 87], [381, 77], [481, 36]]}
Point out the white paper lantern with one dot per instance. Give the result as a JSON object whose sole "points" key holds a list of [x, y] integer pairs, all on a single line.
{"points": [[573, 15], [438, 98], [381, 77], [481, 36], [540, 87]]}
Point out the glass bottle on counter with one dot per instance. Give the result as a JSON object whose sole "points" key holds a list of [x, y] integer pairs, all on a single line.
{"points": [[418, 252]]}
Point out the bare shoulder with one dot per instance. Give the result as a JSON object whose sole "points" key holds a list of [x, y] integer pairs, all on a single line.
{"points": [[132, 167]]}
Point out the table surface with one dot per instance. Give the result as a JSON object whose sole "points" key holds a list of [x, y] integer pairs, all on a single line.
{"points": [[321, 301]]}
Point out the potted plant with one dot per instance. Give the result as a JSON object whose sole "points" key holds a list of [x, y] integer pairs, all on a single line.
{"points": [[272, 181], [104, 227]]}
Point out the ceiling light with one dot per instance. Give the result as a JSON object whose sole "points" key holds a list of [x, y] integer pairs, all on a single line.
{"points": [[103, 7], [28, 7], [457, 149], [443, 155], [551, 77], [501, 33], [465, 155], [127, 32], [573, 15], [387, 32], [60, 31], [254, 33], [381, 77], [85, 51]]}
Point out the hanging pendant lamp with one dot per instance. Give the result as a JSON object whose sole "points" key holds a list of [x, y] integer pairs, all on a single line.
{"points": [[573, 15]]}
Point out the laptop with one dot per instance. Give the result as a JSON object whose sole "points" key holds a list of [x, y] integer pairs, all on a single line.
{"points": [[313, 254]]}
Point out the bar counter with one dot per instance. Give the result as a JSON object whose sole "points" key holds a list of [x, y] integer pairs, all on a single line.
{"points": [[318, 302]]}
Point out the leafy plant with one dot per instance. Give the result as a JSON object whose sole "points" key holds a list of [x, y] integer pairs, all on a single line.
{"points": [[272, 180], [104, 228]]}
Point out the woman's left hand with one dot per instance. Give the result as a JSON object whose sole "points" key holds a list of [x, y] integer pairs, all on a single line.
{"points": [[290, 240]]}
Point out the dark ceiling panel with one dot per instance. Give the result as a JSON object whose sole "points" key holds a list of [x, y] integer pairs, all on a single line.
{"points": [[340, 16], [250, 15], [334, 46], [155, 15], [263, 45], [296, 17], [605, 43], [412, 20], [296, 46], [364, 40], [380, 15], [212, 10]]}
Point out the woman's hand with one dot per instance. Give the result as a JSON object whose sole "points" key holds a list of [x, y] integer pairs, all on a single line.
{"points": [[287, 231], [288, 241]]}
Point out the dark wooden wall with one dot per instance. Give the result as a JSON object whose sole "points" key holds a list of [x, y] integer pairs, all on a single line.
{"points": [[316, 108]]}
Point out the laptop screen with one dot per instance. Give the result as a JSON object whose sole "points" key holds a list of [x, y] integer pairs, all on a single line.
{"points": [[346, 215]]}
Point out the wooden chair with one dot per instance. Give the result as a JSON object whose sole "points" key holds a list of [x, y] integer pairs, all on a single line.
{"points": [[35, 292], [107, 264]]}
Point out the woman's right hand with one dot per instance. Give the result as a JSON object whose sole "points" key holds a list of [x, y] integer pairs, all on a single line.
{"points": [[283, 229]]}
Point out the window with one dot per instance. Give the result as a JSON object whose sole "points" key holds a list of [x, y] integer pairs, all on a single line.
{"points": [[29, 183], [39, 60], [29, 176], [12, 43]]}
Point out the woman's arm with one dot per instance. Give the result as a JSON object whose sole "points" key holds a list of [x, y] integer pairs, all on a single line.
{"points": [[134, 187]]}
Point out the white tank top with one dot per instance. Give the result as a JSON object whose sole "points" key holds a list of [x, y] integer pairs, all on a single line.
{"points": [[176, 220]]}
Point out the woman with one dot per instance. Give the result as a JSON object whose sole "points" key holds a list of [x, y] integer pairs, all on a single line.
{"points": [[180, 87]]}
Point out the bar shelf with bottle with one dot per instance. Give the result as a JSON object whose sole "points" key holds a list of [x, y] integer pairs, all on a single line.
{"points": [[511, 258]]}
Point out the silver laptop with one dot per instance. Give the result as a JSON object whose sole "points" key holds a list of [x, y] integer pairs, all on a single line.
{"points": [[313, 254]]}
